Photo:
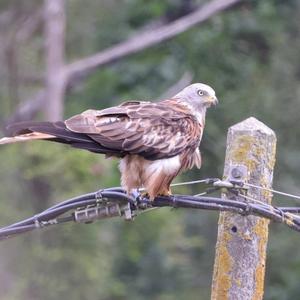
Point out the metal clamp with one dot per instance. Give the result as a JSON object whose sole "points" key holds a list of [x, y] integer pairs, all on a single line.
{"points": [[92, 213], [235, 181]]}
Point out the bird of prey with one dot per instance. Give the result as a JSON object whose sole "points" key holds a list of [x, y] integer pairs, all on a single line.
{"points": [[154, 140]]}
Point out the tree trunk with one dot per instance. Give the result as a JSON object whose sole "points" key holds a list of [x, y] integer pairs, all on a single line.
{"points": [[55, 52]]}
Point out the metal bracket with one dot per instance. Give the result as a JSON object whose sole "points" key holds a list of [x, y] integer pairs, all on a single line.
{"points": [[237, 175], [128, 215], [100, 199]]}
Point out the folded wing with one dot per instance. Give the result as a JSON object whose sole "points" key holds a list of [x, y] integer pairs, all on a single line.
{"points": [[152, 130]]}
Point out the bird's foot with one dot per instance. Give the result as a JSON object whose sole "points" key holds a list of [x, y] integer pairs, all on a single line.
{"points": [[148, 196], [145, 195], [166, 193]]}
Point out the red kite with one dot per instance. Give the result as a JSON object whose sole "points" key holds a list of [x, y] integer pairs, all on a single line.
{"points": [[155, 141]]}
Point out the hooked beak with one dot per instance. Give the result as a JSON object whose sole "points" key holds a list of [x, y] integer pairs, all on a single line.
{"points": [[213, 100]]}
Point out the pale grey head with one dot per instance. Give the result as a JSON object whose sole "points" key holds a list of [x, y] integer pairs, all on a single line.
{"points": [[198, 95]]}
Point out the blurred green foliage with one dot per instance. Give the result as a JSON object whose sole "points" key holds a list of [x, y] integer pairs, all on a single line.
{"points": [[249, 54]]}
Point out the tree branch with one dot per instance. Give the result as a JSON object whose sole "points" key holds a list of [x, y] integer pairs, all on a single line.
{"points": [[184, 80], [145, 40], [140, 41], [27, 109]]}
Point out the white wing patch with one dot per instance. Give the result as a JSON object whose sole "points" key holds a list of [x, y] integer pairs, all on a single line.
{"points": [[108, 120]]}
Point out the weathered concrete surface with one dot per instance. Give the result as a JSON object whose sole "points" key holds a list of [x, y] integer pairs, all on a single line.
{"points": [[241, 246]]}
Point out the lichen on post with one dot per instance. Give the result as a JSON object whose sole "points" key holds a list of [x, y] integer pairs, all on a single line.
{"points": [[242, 240]]}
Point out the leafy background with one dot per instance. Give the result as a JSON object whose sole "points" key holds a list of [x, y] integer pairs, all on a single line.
{"points": [[249, 54]]}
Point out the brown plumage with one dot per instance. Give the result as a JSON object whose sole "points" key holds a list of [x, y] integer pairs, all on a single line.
{"points": [[155, 141]]}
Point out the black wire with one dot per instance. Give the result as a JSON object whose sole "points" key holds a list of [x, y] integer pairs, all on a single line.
{"points": [[72, 200], [291, 209], [51, 213], [7, 232], [89, 196], [276, 214], [51, 216], [77, 202]]}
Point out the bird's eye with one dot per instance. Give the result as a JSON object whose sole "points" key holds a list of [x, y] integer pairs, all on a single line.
{"points": [[200, 93]]}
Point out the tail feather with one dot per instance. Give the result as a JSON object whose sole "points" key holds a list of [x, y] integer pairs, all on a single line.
{"points": [[25, 137], [26, 127], [55, 132]]}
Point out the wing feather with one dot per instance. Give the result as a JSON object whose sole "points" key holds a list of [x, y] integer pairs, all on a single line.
{"points": [[152, 130]]}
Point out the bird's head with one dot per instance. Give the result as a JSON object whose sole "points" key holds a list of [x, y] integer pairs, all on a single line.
{"points": [[198, 95]]}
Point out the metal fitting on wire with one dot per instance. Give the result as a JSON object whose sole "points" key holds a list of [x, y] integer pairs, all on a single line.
{"points": [[90, 214]]}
